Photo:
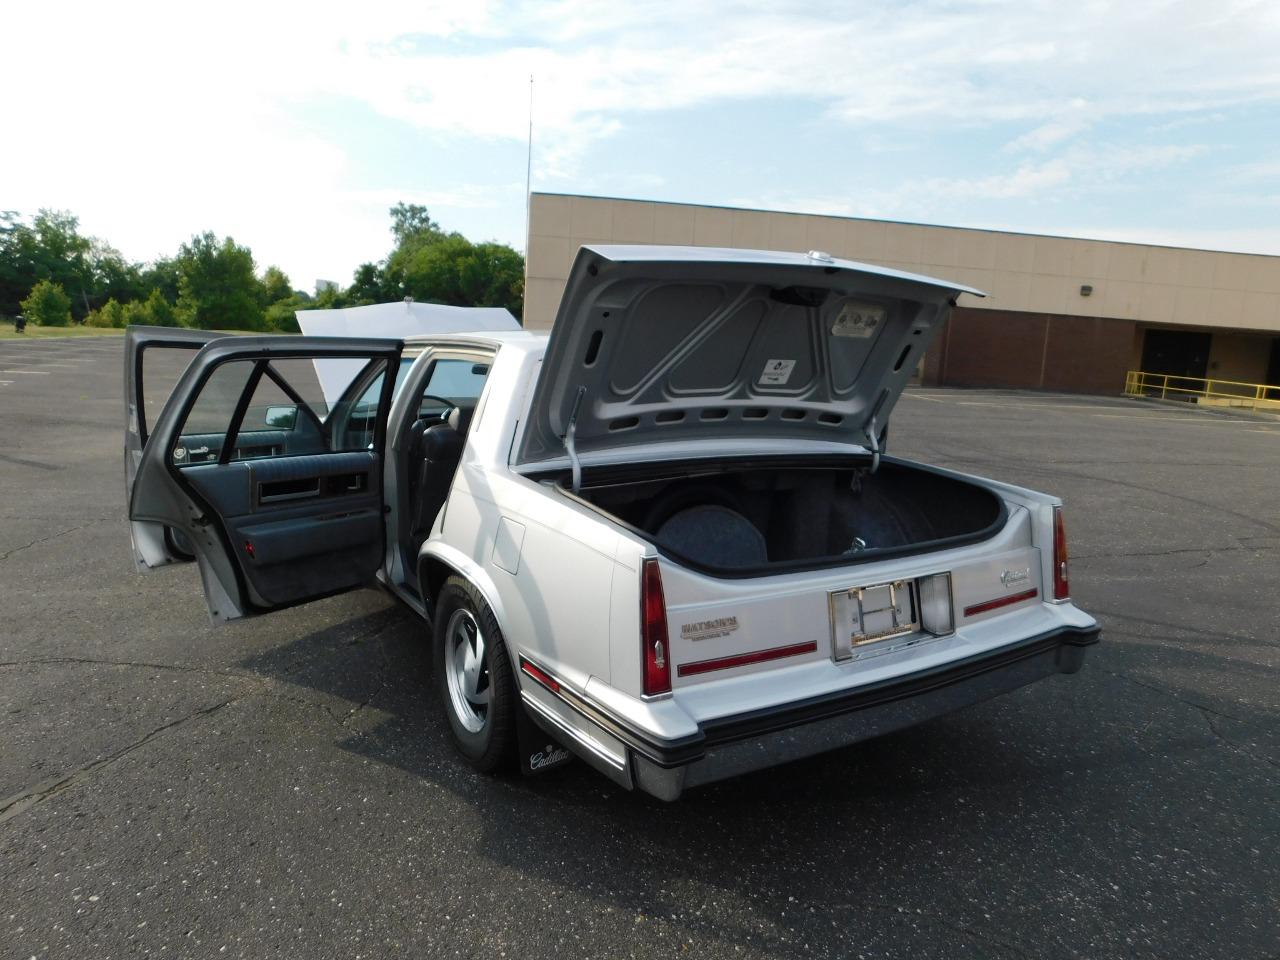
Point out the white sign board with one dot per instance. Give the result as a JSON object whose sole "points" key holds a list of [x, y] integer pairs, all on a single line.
{"points": [[391, 321]]}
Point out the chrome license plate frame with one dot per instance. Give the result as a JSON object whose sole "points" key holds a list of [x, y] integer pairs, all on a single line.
{"points": [[871, 614]]}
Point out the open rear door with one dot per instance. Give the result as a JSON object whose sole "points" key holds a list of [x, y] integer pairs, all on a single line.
{"points": [[270, 483], [154, 359]]}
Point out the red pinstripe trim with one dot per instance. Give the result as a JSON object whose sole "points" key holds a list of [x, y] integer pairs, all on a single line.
{"points": [[1001, 602], [742, 659]]}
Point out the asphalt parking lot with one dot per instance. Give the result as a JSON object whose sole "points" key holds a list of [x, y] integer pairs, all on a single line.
{"points": [[284, 787]]}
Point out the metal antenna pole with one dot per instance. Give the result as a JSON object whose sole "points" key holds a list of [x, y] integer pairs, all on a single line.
{"points": [[528, 171]]}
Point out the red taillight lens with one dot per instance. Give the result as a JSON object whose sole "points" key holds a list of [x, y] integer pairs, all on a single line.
{"points": [[653, 631], [1061, 584]]}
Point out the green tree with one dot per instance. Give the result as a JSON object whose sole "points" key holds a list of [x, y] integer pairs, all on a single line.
{"points": [[328, 298], [275, 286], [113, 276], [63, 256], [90, 271], [218, 286], [14, 281], [47, 305], [429, 264], [155, 311], [456, 271], [493, 276], [369, 285], [411, 222], [281, 314], [160, 312], [110, 314], [132, 314], [50, 248], [165, 274]]}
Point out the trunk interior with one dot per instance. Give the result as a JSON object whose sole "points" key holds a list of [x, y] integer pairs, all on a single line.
{"points": [[747, 517]]}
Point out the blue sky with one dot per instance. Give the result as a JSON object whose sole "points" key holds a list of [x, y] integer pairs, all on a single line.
{"points": [[294, 128]]}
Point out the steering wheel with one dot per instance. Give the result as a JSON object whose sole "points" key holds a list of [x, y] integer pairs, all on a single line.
{"points": [[448, 405]]}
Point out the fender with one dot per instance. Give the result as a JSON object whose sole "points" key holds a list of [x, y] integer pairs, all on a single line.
{"points": [[464, 566]]}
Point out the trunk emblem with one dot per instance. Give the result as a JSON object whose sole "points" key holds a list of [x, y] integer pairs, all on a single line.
{"points": [[708, 629], [1011, 578]]}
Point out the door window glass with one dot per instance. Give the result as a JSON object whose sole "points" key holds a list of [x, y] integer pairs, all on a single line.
{"points": [[279, 422], [162, 365], [454, 379], [304, 379], [202, 433], [286, 413]]}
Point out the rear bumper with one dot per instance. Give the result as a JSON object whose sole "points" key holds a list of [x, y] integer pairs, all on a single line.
{"points": [[729, 746]]}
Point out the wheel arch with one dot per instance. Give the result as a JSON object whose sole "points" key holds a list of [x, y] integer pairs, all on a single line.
{"points": [[437, 562]]}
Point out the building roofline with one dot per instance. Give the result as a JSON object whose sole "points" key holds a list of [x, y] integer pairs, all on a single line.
{"points": [[905, 223]]}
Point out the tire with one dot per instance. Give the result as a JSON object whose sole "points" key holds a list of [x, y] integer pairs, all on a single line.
{"points": [[477, 691]]}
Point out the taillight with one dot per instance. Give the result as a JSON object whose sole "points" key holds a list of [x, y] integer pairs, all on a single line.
{"points": [[1061, 586], [653, 632]]}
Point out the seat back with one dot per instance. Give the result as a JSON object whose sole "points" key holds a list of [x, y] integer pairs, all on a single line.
{"points": [[437, 450]]}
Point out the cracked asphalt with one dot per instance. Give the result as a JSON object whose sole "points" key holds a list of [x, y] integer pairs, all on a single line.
{"points": [[284, 787]]}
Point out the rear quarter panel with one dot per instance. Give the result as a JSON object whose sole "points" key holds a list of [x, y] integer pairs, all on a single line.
{"points": [[555, 586]]}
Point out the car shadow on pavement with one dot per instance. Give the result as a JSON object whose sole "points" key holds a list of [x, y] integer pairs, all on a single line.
{"points": [[911, 821]]}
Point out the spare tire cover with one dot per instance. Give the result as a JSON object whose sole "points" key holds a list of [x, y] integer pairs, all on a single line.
{"points": [[714, 536]]}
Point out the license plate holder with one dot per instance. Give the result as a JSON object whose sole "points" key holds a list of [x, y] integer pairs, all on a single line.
{"points": [[872, 614]]}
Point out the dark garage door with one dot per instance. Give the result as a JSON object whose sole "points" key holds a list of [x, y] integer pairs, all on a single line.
{"points": [[1181, 353]]}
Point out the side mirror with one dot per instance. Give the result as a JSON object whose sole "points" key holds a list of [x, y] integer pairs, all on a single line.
{"points": [[281, 418]]}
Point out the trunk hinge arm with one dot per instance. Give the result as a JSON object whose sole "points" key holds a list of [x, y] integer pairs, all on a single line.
{"points": [[570, 445], [873, 435]]}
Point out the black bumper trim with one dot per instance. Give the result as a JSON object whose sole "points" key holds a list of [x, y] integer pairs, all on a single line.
{"points": [[759, 722], [675, 753]]}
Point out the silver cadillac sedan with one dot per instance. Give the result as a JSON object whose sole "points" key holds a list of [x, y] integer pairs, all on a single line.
{"points": [[667, 539]]}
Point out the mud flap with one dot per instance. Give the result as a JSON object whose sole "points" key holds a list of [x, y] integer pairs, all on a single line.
{"points": [[539, 751]]}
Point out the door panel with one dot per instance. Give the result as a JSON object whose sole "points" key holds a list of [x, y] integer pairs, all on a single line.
{"points": [[275, 517], [297, 523]]}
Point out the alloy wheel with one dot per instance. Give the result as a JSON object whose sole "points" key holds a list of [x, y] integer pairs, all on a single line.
{"points": [[467, 670]]}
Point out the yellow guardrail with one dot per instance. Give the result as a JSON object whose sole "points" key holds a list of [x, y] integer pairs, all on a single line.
{"points": [[1214, 392]]}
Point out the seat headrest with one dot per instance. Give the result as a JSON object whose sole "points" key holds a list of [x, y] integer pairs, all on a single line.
{"points": [[460, 418], [440, 442]]}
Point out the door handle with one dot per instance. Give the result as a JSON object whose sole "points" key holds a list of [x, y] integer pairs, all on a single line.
{"points": [[279, 491]]}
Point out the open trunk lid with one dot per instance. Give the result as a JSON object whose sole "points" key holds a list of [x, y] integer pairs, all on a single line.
{"points": [[657, 344]]}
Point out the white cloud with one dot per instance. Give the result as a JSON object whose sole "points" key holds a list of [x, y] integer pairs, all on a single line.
{"points": [[464, 66], [931, 198], [1263, 170], [195, 105]]}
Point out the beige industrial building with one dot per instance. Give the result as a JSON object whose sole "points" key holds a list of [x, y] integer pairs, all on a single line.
{"points": [[1060, 313]]}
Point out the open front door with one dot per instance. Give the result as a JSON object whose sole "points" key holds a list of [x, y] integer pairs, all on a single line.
{"points": [[265, 466]]}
